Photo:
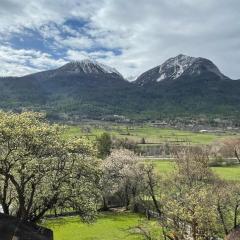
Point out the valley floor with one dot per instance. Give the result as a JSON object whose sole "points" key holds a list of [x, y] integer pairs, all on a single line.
{"points": [[152, 135], [123, 225]]}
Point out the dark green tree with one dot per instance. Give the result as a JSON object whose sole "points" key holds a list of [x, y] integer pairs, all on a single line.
{"points": [[104, 145]]}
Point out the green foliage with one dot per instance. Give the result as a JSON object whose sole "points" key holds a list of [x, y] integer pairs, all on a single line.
{"points": [[104, 145], [187, 200], [194, 202], [125, 143], [39, 170], [190, 208]]}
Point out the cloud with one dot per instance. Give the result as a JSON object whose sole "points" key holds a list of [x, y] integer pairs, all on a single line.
{"points": [[131, 36], [16, 14], [149, 32], [20, 62], [77, 42]]}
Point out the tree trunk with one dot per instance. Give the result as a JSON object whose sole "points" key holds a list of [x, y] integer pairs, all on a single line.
{"points": [[222, 219], [126, 197], [236, 215], [237, 155], [5, 208], [105, 204]]}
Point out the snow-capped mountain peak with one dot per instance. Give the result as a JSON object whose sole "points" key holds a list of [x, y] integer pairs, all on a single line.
{"points": [[88, 66], [179, 66], [175, 67]]}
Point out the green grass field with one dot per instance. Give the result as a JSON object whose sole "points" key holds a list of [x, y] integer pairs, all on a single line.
{"points": [[228, 173], [109, 226], [152, 135]]}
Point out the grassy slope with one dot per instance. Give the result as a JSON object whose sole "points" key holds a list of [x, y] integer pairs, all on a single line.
{"points": [[109, 226]]}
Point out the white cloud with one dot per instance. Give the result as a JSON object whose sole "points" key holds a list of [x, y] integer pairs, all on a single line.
{"points": [[146, 32], [77, 42], [151, 31], [16, 14], [16, 62]]}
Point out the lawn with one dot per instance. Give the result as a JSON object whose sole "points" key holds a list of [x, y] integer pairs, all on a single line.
{"points": [[109, 226], [162, 166], [227, 173]]}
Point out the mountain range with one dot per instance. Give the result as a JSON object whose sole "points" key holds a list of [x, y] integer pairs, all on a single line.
{"points": [[181, 86]]}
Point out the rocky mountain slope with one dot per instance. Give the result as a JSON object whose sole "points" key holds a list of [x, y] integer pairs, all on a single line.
{"points": [[180, 66]]}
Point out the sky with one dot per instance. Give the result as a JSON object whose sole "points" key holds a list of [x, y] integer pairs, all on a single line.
{"points": [[129, 35]]}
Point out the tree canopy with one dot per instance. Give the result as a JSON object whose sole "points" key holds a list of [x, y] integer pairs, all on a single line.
{"points": [[39, 170]]}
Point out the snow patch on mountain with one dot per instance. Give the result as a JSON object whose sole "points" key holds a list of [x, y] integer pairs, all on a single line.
{"points": [[173, 68], [178, 67], [162, 77], [89, 66]]}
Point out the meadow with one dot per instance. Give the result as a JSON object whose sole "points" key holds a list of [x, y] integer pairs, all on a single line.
{"points": [[152, 135], [109, 226], [231, 173]]}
